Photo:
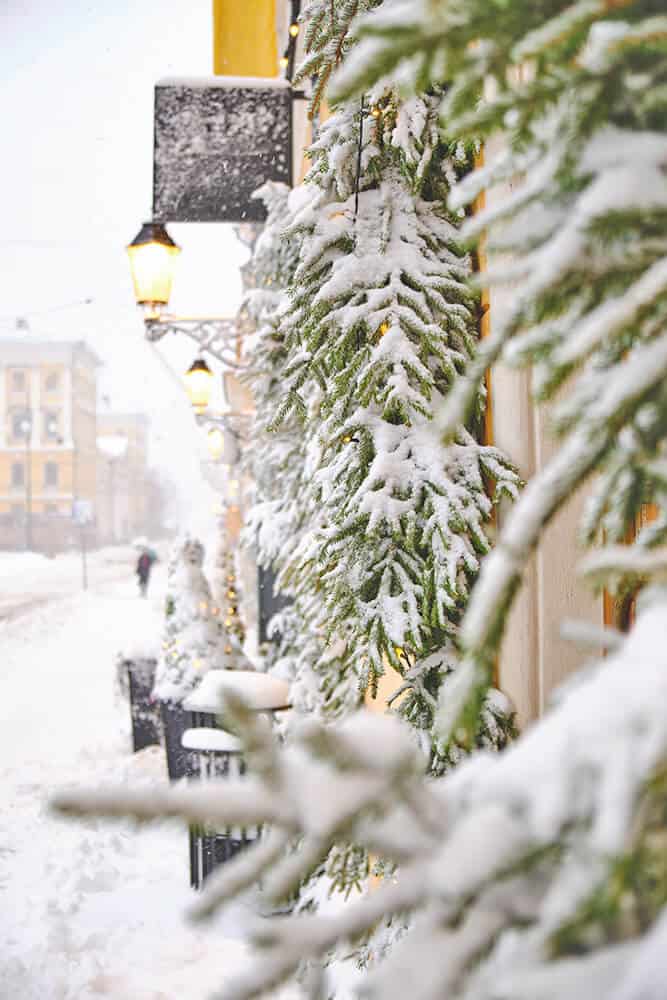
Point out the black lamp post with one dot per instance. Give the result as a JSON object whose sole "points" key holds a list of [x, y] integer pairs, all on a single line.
{"points": [[26, 430]]}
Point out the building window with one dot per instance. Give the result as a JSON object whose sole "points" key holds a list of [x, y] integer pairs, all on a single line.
{"points": [[52, 425], [50, 473], [18, 381], [19, 419], [52, 382], [18, 474]]}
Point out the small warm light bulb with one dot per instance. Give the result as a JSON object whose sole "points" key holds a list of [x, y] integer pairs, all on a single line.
{"points": [[215, 439], [399, 651], [231, 593], [203, 606], [283, 62], [376, 111], [294, 30], [228, 649], [199, 383], [347, 439], [228, 623], [384, 328]]}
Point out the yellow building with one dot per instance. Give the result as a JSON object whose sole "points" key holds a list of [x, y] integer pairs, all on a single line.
{"points": [[48, 393]]}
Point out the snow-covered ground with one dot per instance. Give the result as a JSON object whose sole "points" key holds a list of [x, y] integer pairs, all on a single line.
{"points": [[28, 579], [93, 909]]}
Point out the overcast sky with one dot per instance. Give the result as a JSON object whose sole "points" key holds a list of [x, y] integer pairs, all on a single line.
{"points": [[75, 183]]}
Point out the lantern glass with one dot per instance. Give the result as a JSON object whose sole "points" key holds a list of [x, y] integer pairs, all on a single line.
{"points": [[216, 443], [152, 256], [199, 385]]}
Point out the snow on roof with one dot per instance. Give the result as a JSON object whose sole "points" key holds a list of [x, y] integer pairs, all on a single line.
{"points": [[28, 351], [227, 82]]}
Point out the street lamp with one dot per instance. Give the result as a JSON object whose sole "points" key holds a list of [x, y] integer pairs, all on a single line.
{"points": [[152, 256], [223, 444], [215, 440], [114, 447], [26, 430], [199, 384]]}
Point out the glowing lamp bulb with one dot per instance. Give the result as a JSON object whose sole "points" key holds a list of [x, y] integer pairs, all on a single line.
{"points": [[152, 255], [199, 384], [215, 440], [294, 30]]}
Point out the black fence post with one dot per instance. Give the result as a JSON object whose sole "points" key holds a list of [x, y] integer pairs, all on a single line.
{"points": [[144, 711]]}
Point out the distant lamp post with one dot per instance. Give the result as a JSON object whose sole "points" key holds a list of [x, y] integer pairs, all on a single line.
{"points": [[199, 384], [113, 447], [26, 430], [152, 255]]}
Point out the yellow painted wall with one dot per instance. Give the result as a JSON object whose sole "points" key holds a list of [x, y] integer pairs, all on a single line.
{"points": [[244, 38], [41, 494], [388, 684]]}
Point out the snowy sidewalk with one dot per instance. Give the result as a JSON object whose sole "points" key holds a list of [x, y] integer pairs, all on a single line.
{"points": [[96, 909], [29, 580]]}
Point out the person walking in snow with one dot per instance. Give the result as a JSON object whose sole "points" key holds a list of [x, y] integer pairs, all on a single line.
{"points": [[144, 566]]}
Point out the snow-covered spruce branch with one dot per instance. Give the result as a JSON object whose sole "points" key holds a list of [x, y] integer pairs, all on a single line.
{"points": [[625, 562], [499, 860]]}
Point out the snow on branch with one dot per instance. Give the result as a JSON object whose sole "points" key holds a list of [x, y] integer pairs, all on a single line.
{"points": [[496, 859]]}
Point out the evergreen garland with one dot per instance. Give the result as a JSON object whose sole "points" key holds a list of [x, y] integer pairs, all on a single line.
{"points": [[379, 323]]}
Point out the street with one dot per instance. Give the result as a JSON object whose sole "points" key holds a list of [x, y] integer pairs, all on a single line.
{"points": [[86, 909], [29, 580]]}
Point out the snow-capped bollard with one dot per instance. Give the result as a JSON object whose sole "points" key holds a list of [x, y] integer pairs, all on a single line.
{"points": [[213, 755], [144, 711], [216, 754]]}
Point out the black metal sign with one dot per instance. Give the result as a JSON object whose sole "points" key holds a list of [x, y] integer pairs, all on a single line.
{"points": [[217, 141]]}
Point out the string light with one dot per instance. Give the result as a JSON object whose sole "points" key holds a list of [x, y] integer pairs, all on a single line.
{"points": [[283, 62], [294, 29], [203, 606], [376, 111], [384, 328]]}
